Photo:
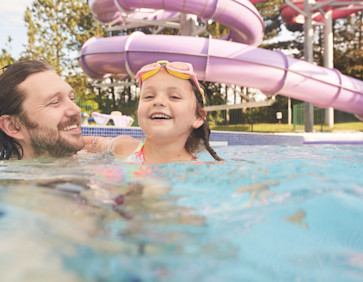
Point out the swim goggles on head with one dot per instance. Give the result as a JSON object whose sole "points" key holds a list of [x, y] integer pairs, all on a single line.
{"points": [[178, 69]]}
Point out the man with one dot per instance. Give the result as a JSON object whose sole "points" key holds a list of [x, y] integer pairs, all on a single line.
{"points": [[38, 115]]}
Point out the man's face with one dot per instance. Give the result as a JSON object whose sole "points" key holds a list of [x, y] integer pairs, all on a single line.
{"points": [[51, 118]]}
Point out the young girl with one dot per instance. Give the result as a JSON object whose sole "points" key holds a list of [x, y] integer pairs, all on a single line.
{"points": [[171, 115]]}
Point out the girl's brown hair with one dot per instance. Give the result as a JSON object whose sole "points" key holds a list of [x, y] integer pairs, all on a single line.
{"points": [[198, 139]]}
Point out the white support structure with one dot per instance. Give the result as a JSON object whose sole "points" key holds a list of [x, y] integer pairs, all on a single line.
{"points": [[289, 111], [308, 54], [328, 58]]}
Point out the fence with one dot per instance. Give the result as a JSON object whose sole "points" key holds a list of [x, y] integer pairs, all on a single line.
{"points": [[298, 117], [264, 119]]}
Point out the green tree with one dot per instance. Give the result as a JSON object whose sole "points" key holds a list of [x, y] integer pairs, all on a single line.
{"points": [[57, 29], [270, 13], [5, 57], [348, 45]]}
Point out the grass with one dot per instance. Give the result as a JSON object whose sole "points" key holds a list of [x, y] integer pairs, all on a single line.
{"points": [[274, 127]]}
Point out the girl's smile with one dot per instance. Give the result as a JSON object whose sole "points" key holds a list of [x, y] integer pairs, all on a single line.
{"points": [[160, 116]]}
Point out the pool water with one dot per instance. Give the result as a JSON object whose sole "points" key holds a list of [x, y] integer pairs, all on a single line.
{"points": [[268, 213]]}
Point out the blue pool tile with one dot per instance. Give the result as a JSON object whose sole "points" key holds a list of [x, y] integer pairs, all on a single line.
{"points": [[232, 138]]}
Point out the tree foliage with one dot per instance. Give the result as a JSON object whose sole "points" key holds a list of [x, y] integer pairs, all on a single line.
{"points": [[348, 43], [57, 29], [5, 56]]}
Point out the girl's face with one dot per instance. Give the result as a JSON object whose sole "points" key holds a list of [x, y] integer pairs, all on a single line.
{"points": [[167, 107]]}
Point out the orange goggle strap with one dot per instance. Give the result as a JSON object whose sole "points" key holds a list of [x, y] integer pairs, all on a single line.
{"points": [[145, 74]]}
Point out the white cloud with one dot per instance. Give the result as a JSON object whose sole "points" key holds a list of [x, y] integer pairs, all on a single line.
{"points": [[12, 12]]}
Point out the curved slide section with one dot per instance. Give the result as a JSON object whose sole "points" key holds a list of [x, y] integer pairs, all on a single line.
{"points": [[241, 17], [224, 62]]}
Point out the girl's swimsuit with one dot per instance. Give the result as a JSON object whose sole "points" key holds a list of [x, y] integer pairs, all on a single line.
{"points": [[138, 156]]}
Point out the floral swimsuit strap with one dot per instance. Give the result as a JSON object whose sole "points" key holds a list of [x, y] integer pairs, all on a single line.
{"points": [[138, 155]]}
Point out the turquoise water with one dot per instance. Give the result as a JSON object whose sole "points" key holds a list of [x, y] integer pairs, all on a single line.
{"points": [[268, 213]]}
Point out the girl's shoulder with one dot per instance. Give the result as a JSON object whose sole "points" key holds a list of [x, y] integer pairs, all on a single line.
{"points": [[124, 145]]}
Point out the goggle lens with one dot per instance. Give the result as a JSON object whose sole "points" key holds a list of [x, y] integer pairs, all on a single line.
{"points": [[178, 69]]}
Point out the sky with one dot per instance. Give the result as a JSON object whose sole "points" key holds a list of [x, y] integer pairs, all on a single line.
{"points": [[12, 23]]}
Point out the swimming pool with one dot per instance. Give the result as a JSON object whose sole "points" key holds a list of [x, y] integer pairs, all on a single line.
{"points": [[269, 213]]}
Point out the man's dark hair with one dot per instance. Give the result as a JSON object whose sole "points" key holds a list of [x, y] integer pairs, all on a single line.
{"points": [[11, 100]]}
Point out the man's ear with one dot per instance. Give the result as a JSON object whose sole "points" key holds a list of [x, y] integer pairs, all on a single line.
{"points": [[200, 119], [11, 126]]}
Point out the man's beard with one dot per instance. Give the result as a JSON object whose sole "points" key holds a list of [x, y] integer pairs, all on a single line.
{"points": [[47, 142]]}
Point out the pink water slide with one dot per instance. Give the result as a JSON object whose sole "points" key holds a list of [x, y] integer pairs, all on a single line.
{"points": [[236, 60]]}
